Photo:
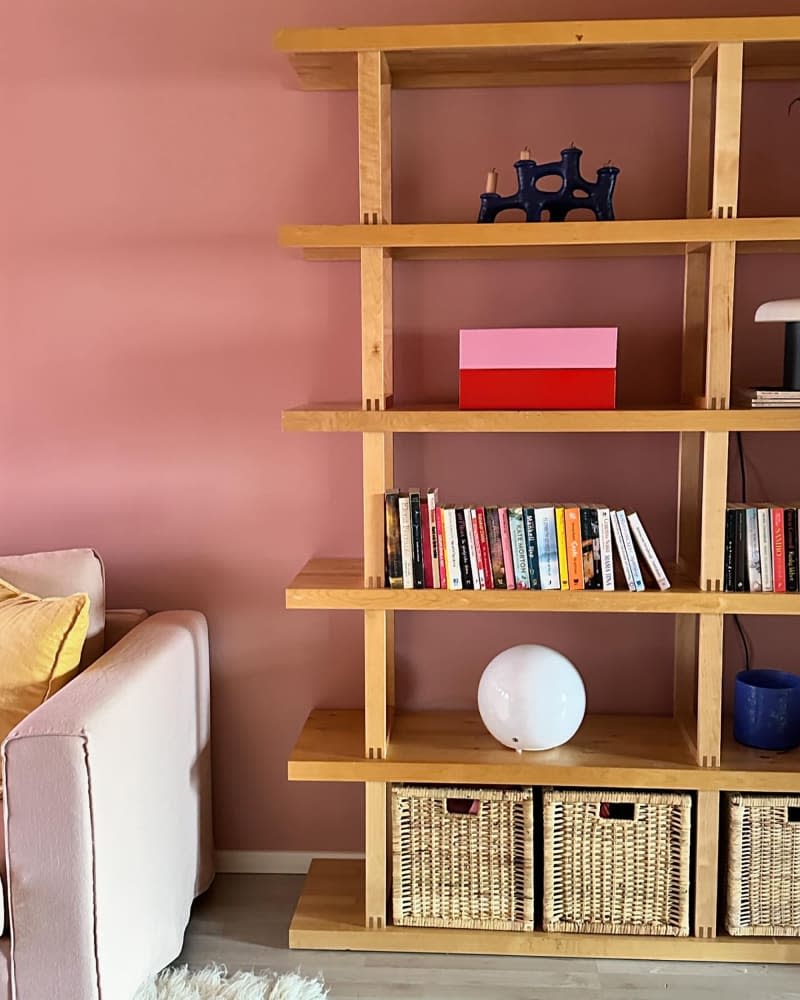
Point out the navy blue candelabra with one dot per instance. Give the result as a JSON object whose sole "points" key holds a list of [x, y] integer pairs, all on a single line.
{"points": [[575, 192]]}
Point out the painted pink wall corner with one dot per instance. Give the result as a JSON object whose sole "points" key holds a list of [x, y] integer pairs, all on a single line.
{"points": [[152, 331]]}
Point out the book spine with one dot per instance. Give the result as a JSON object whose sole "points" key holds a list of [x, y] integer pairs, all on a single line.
{"points": [[740, 579], [463, 550], [406, 545], [778, 551], [563, 562], [630, 551], [547, 545], [622, 553], [416, 539], [427, 550], [508, 558], [519, 549], [790, 548], [753, 551], [483, 545], [495, 547], [648, 552], [453, 561], [433, 502], [529, 516], [394, 557], [730, 538], [478, 581], [440, 548], [606, 548], [765, 549], [572, 519]]}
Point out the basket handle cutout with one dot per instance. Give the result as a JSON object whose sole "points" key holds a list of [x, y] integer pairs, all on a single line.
{"points": [[463, 807], [793, 814], [617, 810]]}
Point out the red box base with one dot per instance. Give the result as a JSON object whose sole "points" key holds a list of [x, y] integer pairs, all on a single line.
{"points": [[537, 389]]}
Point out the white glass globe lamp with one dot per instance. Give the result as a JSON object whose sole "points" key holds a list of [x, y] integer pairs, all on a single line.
{"points": [[531, 698]]}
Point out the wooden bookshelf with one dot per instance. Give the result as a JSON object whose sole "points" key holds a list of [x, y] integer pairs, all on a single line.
{"points": [[448, 418], [347, 905]]}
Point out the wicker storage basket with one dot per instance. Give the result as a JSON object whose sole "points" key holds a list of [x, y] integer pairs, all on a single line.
{"points": [[463, 857], [616, 862], [763, 892]]}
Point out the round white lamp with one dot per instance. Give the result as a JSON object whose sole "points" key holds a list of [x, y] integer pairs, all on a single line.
{"points": [[531, 698], [785, 311]]}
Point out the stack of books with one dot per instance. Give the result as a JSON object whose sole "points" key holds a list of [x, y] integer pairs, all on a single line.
{"points": [[572, 368], [525, 547], [766, 398], [761, 550]]}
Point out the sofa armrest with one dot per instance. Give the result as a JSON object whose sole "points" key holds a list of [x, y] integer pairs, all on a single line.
{"points": [[107, 813]]}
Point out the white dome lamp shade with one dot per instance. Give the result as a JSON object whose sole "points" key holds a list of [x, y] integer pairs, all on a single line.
{"points": [[786, 311], [531, 698]]}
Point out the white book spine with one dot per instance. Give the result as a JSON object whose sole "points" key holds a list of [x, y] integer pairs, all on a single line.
{"points": [[765, 549], [519, 548], [633, 560], [545, 518], [478, 580], [452, 549], [621, 550], [647, 550], [433, 500], [753, 551], [406, 544], [606, 550]]}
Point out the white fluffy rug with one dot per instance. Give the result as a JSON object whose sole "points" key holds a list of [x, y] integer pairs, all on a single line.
{"points": [[214, 983]]}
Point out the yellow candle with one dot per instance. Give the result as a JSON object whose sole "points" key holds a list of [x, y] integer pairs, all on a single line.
{"points": [[525, 154], [491, 182]]}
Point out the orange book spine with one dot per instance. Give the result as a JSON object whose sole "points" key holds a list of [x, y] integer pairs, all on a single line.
{"points": [[572, 520]]}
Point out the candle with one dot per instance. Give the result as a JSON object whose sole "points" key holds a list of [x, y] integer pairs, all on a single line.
{"points": [[525, 154], [491, 182]]}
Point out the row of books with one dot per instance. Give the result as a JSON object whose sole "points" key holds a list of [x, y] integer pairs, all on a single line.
{"points": [[761, 552], [526, 547]]}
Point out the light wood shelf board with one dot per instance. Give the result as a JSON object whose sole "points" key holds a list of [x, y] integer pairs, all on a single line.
{"points": [[337, 583], [330, 917], [540, 53], [447, 417], [452, 241], [455, 747], [613, 751]]}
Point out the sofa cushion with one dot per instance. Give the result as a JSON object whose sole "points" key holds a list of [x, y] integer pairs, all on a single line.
{"points": [[41, 641], [58, 574]]}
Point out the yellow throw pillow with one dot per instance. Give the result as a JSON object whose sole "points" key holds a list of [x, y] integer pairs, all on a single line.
{"points": [[41, 640]]}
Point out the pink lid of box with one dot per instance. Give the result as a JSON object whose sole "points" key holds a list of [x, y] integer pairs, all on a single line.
{"points": [[539, 347]]}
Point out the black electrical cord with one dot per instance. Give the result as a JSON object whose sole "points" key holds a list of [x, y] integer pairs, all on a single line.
{"points": [[743, 479]]}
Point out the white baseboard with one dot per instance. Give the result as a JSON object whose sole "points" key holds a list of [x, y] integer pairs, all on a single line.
{"points": [[274, 862]]}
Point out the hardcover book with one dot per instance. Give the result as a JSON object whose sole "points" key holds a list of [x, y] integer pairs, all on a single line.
{"points": [[394, 555], [416, 539]]}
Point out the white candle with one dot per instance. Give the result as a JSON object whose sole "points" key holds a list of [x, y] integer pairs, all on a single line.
{"points": [[491, 182]]}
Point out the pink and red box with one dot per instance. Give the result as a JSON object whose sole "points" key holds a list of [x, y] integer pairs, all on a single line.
{"points": [[538, 368]]}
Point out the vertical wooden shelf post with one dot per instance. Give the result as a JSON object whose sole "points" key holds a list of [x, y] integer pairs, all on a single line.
{"points": [[375, 199], [693, 351], [706, 825]]}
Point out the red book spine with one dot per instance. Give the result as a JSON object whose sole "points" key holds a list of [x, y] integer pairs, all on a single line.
{"points": [[427, 552], [440, 547], [479, 564], [508, 558], [778, 551], [483, 542], [537, 388]]}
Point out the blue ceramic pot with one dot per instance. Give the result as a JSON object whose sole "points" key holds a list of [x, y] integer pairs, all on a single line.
{"points": [[767, 709]]}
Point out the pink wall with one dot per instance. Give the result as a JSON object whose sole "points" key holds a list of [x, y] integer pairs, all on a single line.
{"points": [[152, 331]]}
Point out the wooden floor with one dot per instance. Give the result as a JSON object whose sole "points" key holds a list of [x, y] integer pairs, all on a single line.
{"points": [[243, 922]]}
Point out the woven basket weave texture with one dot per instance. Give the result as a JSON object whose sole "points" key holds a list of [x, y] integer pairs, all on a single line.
{"points": [[763, 873], [472, 870], [606, 875]]}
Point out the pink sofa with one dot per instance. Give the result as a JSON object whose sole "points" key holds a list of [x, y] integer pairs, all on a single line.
{"points": [[107, 806]]}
